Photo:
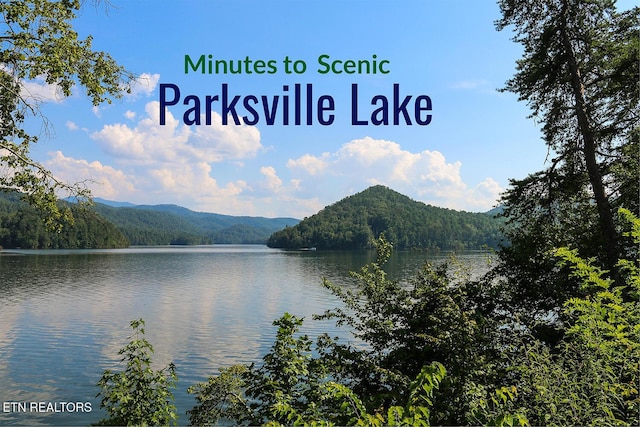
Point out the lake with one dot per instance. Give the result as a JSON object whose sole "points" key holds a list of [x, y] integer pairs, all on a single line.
{"points": [[64, 314]]}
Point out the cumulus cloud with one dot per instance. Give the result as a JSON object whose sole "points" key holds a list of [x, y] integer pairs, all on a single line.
{"points": [[176, 163], [425, 176], [104, 181], [273, 182], [310, 164], [220, 142], [309, 182], [189, 183], [193, 185], [194, 179], [168, 164], [174, 142]]}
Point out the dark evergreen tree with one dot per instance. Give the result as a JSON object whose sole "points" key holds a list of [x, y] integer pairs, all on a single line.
{"points": [[579, 75]]}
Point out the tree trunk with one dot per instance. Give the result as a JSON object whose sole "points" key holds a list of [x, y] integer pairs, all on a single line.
{"points": [[605, 215]]}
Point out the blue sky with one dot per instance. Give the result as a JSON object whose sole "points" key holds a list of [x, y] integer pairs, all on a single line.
{"points": [[448, 50]]}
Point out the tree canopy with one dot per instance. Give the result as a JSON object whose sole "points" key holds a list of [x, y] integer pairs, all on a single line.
{"points": [[356, 221], [579, 75], [22, 226], [37, 40]]}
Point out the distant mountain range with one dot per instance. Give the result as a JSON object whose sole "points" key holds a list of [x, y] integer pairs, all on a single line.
{"points": [[351, 223], [117, 224], [107, 202], [172, 224]]}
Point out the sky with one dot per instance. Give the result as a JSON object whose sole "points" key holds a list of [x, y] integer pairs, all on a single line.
{"points": [[447, 50]]}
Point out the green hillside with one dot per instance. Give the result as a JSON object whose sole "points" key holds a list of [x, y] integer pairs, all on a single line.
{"points": [[22, 226], [352, 223], [355, 221], [171, 224], [105, 226]]}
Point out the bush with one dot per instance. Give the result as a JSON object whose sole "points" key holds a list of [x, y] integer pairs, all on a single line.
{"points": [[138, 395]]}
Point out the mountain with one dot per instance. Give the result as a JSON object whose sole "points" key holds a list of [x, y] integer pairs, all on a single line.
{"points": [[355, 221], [113, 203], [117, 224], [172, 224], [22, 226]]}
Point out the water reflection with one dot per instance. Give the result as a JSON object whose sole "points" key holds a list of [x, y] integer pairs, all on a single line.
{"points": [[65, 314]]}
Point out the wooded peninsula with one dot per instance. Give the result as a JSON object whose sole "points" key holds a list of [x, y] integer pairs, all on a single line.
{"points": [[355, 222]]}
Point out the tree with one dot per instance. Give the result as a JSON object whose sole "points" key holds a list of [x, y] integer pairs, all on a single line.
{"points": [[424, 352], [289, 386], [355, 221], [591, 377], [292, 387], [38, 41], [439, 315], [138, 395], [579, 75]]}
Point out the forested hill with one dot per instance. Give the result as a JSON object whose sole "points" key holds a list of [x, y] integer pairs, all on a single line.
{"points": [[171, 224], [22, 226], [355, 221], [104, 226]]}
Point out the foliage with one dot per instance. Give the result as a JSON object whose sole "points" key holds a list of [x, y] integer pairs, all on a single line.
{"points": [[288, 387], [102, 226], [22, 226], [38, 42], [591, 376], [551, 336], [410, 332], [357, 220], [440, 315], [169, 224], [293, 388], [497, 408], [579, 76], [220, 398], [138, 395], [415, 412]]}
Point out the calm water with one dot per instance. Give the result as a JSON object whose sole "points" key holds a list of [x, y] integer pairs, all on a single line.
{"points": [[65, 314]]}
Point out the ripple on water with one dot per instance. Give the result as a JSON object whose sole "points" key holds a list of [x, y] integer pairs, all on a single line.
{"points": [[65, 316]]}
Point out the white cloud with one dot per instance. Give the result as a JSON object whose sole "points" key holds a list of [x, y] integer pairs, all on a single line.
{"points": [[191, 184], [219, 142], [470, 84], [310, 164], [174, 142], [193, 179], [71, 125], [273, 182], [170, 163], [426, 176], [199, 167], [38, 90], [103, 180], [143, 85]]}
